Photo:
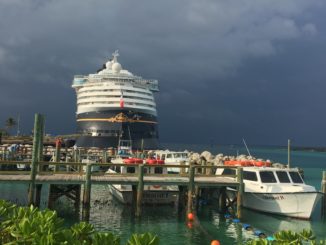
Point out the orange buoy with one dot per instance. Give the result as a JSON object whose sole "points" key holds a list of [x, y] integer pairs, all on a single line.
{"points": [[190, 217], [215, 242]]}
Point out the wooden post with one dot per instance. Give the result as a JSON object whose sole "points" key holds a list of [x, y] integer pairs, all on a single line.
{"points": [[222, 199], [38, 195], [289, 153], [87, 192], [105, 156], [57, 153], [323, 190], [140, 189], [209, 170], [191, 187], [40, 144], [36, 139], [182, 170], [77, 198], [181, 197], [240, 192]]}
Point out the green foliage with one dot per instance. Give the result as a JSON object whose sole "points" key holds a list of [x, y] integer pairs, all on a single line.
{"points": [[10, 123], [289, 237], [30, 226], [143, 239]]}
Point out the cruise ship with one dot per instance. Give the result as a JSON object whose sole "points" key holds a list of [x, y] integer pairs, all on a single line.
{"points": [[114, 104]]}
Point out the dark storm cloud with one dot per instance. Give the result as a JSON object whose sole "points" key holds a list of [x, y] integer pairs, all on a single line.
{"points": [[227, 69]]}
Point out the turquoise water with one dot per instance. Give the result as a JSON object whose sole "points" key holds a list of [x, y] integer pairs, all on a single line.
{"points": [[171, 226]]}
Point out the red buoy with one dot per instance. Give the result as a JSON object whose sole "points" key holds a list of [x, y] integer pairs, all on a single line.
{"points": [[215, 242]]}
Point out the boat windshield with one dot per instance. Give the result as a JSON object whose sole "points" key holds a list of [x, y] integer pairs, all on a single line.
{"points": [[283, 177], [180, 155], [229, 171], [296, 178], [248, 175], [267, 177]]}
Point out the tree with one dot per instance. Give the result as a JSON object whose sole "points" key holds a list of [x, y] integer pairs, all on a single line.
{"points": [[10, 123]]}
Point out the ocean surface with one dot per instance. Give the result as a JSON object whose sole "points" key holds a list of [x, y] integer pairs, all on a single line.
{"points": [[107, 214]]}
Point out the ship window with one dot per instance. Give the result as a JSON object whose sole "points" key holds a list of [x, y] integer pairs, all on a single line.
{"points": [[229, 171], [247, 175], [158, 170], [131, 170], [267, 177], [296, 178], [169, 156], [283, 177]]}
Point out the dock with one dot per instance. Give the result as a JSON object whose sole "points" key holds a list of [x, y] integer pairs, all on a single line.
{"points": [[67, 175]]}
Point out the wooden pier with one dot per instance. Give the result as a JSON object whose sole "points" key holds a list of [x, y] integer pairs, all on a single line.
{"points": [[75, 175], [66, 177]]}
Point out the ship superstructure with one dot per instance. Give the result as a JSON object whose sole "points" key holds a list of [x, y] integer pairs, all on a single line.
{"points": [[114, 104]]}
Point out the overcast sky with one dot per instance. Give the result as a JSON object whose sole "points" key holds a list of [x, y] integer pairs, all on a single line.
{"points": [[227, 69]]}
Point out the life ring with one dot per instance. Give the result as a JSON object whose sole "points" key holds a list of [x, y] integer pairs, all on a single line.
{"points": [[156, 186]]}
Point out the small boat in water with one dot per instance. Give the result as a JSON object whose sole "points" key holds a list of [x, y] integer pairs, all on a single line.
{"points": [[279, 191], [173, 158], [152, 194]]}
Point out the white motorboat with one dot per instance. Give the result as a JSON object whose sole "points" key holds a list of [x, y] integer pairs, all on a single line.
{"points": [[279, 191], [173, 158], [152, 194]]}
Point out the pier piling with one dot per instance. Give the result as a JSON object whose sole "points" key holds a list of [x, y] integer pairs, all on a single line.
{"points": [[240, 192], [57, 153], [140, 190], [323, 190], [191, 187], [38, 195], [87, 192], [222, 199], [38, 124]]}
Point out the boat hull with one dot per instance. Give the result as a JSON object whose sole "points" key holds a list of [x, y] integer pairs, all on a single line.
{"points": [[104, 128], [124, 194], [297, 205]]}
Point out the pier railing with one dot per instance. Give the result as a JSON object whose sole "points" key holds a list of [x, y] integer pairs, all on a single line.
{"points": [[17, 168]]}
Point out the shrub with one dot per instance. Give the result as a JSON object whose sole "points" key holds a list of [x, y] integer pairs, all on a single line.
{"points": [[29, 225]]}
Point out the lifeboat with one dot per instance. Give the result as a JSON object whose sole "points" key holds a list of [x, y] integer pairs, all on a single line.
{"points": [[129, 161], [247, 163], [151, 161], [159, 161], [138, 160]]}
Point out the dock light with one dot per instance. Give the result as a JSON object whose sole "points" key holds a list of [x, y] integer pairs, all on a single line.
{"points": [[190, 216], [215, 242]]}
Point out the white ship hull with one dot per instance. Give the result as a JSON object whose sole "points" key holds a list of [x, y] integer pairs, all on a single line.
{"points": [[151, 195], [297, 205]]}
